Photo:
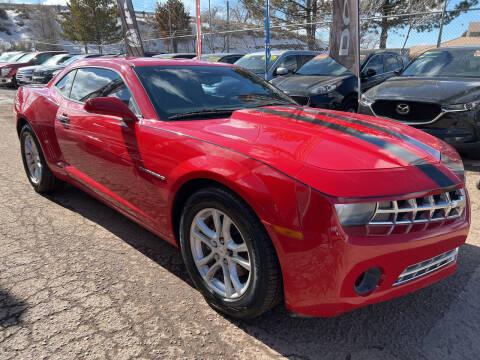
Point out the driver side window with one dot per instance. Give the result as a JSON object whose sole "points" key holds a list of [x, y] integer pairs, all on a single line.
{"points": [[289, 63], [96, 82], [375, 63]]}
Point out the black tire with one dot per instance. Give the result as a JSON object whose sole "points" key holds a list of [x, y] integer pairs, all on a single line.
{"points": [[265, 287], [47, 181], [351, 105], [474, 154]]}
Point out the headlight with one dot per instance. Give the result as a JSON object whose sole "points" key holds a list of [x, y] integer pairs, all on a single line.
{"points": [[463, 107], [355, 214], [366, 101], [321, 90], [5, 71]]}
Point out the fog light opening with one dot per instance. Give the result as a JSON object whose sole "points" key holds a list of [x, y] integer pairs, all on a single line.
{"points": [[368, 281]]}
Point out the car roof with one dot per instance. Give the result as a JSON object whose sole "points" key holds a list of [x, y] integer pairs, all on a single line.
{"points": [[459, 47], [144, 61], [282, 52], [223, 54]]}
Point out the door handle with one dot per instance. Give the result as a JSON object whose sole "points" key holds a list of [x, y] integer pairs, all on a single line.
{"points": [[64, 120]]}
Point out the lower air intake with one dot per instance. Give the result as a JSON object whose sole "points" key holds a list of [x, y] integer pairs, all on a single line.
{"points": [[427, 266]]}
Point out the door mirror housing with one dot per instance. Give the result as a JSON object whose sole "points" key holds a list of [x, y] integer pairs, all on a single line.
{"points": [[282, 71], [111, 106], [371, 72]]}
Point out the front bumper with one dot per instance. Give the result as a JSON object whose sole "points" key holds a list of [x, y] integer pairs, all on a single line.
{"points": [[320, 271], [459, 129], [332, 101], [6, 80]]}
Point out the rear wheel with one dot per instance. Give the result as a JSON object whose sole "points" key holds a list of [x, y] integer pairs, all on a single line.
{"points": [[229, 255], [38, 172]]}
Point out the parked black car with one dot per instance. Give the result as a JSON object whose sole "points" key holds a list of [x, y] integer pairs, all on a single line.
{"points": [[324, 83], [439, 93]]}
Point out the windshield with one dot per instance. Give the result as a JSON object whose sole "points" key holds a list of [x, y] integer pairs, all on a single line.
{"points": [[8, 56], [323, 65], [54, 60], [175, 90], [72, 59], [449, 63], [27, 58], [256, 63]]}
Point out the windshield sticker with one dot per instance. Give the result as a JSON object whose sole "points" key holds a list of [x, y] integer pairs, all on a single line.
{"points": [[321, 57], [363, 57], [431, 54], [477, 53], [272, 57], [213, 58]]}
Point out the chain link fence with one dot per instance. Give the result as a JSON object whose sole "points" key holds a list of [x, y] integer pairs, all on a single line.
{"points": [[410, 34]]}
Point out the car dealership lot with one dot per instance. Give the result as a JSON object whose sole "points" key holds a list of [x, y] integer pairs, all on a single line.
{"points": [[78, 280]]}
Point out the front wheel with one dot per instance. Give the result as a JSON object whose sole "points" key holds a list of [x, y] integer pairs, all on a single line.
{"points": [[229, 255], [38, 172]]}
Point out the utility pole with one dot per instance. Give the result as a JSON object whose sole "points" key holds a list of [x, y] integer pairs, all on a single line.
{"points": [[212, 44], [170, 26], [439, 41], [228, 26]]}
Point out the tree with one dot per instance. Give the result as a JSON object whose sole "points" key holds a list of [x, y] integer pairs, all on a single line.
{"points": [[306, 13], [394, 14], [173, 13], [44, 27], [91, 21]]}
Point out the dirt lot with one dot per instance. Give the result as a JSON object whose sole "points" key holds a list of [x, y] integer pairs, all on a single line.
{"points": [[79, 281]]}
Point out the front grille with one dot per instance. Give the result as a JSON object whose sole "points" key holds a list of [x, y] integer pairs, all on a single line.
{"points": [[415, 271], [445, 206], [418, 111], [302, 100]]}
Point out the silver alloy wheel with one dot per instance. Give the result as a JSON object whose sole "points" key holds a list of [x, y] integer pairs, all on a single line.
{"points": [[32, 159], [220, 253]]}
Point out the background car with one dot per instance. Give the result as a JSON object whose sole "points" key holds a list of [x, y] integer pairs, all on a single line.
{"points": [[25, 75], [9, 70], [43, 74], [256, 192], [228, 58], [438, 93], [9, 56], [176, 56], [290, 60], [324, 83]]}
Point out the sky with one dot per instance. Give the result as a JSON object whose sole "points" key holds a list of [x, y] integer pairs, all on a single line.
{"points": [[451, 31]]}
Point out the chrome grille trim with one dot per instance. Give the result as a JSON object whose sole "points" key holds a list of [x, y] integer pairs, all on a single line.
{"points": [[444, 206], [417, 270]]}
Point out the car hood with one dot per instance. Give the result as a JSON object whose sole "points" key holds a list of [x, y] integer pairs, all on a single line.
{"points": [[310, 147], [302, 84], [30, 68], [50, 68], [443, 91]]}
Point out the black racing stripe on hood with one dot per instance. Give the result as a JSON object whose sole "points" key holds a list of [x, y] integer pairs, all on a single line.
{"points": [[398, 135], [430, 170]]}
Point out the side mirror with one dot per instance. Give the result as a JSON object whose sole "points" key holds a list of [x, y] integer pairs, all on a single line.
{"points": [[371, 72], [282, 71], [111, 106]]}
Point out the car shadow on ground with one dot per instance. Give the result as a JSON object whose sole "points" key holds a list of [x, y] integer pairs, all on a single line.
{"points": [[11, 309], [397, 322]]}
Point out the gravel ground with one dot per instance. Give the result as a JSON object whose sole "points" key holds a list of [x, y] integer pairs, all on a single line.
{"points": [[79, 281]]}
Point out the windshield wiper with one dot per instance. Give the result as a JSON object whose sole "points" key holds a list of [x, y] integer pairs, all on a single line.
{"points": [[202, 113]]}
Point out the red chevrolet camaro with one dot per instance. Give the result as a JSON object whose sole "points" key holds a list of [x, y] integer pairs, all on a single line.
{"points": [[268, 201]]}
